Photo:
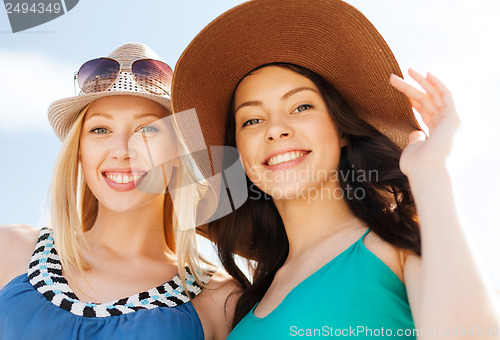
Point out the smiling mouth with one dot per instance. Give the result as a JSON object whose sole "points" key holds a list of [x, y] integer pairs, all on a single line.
{"points": [[124, 177], [285, 157]]}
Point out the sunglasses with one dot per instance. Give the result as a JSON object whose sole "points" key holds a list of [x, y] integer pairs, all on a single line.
{"points": [[97, 75]]}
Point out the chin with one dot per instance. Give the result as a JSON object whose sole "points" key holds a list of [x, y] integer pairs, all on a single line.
{"points": [[286, 191], [122, 206], [309, 191]]}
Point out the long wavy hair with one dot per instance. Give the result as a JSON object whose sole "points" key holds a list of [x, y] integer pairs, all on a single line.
{"points": [[387, 205]]}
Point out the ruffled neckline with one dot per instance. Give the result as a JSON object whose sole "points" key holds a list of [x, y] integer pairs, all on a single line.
{"points": [[45, 275]]}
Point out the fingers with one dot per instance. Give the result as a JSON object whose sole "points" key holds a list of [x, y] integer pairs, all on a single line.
{"points": [[449, 105], [425, 116], [434, 88], [446, 93], [435, 104], [405, 88], [419, 99], [437, 83], [429, 87]]}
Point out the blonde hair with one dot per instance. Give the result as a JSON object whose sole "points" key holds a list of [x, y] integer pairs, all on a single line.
{"points": [[73, 209], [193, 188]]}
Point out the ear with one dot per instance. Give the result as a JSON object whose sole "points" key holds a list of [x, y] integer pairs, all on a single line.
{"points": [[343, 141], [176, 162]]}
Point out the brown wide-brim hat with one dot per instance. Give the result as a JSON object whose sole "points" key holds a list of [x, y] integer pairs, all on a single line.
{"points": [[329, 37], [64, 112]]}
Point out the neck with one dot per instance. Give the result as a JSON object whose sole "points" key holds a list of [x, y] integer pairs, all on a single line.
{"points": [[308, 220], [132, 233]]}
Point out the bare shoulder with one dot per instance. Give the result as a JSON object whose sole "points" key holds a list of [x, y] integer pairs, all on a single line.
{"points": [[392, 256], [222, 283], [222, 291], [17, 243], [216, 303]]}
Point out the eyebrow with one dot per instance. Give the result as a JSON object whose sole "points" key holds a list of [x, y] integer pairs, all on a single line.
{"points": [[284, 97], [137, 116], [296, 90]]}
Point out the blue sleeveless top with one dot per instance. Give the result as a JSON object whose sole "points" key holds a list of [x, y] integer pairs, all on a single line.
{"points": [[41, 305], [353, 295]]}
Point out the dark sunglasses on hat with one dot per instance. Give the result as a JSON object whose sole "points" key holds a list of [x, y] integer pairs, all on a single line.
{"points": [[98, 75]]}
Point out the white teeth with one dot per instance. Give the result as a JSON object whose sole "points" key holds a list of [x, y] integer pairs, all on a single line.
{"points": [[286, 157], [122, 179]]}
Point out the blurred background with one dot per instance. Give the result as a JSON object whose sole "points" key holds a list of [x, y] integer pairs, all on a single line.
{"points": [[455, 39]]}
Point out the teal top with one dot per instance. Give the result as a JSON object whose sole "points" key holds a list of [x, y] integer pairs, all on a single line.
{"points": [[355, 294]]}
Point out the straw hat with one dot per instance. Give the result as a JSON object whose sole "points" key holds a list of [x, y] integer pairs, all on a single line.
{"points": [[329, 37], [63, 113]]}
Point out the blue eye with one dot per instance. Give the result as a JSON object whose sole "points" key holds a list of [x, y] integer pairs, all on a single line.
{"points": [[252, 121], [99, 130], [149, 129], [303, 107]]}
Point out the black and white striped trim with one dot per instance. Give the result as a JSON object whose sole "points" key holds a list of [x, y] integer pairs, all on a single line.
{"points": [[45, 274]]}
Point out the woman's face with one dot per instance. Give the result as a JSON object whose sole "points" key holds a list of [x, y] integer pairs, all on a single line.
{"points": [[124, 147], [288, 142]]}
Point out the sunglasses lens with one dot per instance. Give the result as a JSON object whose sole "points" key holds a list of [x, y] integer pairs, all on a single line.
{"points": [[97, 75], [153, 76]]}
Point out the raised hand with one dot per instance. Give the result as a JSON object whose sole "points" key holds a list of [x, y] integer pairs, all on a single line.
{"points": [[435, 105]]}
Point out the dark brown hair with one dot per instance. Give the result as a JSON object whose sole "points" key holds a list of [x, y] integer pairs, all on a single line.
{"points": [[387, 206]]}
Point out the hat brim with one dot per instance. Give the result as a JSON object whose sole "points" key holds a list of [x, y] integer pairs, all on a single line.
{"points": [[63, 113], [329, 37]]}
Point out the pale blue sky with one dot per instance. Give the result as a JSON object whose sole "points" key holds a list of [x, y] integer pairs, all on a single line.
{"points": [[456, 39]]}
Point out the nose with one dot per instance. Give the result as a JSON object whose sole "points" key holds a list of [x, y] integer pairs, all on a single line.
{"points": [[278, 129], [120, 148]]}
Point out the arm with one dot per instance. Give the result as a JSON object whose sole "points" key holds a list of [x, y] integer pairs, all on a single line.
{"points": [[17, 243], [445, 287], [216, 304]]}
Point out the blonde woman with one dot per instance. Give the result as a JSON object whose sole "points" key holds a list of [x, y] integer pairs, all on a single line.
{"points": [[120, 259]]}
